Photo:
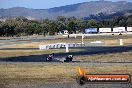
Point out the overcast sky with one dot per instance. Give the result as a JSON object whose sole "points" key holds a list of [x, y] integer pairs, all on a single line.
{"points": [[41, 4]]}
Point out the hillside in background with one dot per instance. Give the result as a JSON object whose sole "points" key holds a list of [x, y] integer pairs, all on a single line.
{"points": [[80, 10]]}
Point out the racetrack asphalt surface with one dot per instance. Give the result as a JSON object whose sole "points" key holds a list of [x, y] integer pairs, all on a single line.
{"points": [[90, 50]]}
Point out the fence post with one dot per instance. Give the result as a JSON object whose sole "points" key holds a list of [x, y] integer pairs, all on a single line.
{"points": [[82, 38], [67, 48], [121, 42]]}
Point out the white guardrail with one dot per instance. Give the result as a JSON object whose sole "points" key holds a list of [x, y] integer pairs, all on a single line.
{"points": [[60, 45]]}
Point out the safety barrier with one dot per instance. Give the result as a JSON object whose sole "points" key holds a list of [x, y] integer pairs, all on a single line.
{"points": [[60, 45]]}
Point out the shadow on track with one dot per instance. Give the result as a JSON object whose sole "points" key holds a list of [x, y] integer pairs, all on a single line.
{"points": [[88, 51]]}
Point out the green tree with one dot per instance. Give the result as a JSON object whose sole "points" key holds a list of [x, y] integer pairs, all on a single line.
{"points": [[129, 21], [92, 23], [31, 29], [72, 26], [61, 18], [53, 28], [45, 28], [81, 25]]}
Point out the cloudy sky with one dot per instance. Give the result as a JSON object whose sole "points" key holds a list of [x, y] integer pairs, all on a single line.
{"points": [[41, 4]]}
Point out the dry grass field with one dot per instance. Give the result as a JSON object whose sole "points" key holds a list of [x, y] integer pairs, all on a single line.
{"points": [[58, 71], [33, 75], [116, 57], [61, 71]]}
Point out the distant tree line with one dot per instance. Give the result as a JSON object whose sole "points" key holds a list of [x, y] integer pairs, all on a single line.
{"points": [[21, 26]]}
